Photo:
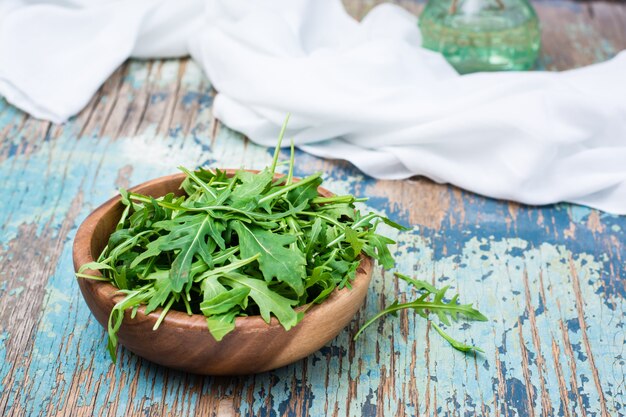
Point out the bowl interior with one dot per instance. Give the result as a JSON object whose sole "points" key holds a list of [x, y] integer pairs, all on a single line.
{"points": [[101, 224]]}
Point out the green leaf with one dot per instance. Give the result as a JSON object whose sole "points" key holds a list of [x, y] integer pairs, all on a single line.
{"points": [[153, 249], [225, 301], [393, 224], [268, 301], [304, 186], [163, 289], [188, 235], [222, 324], [417, 283], [352, 237], [423, 306], [323, 280], [316, 230], [212, 288], [381, 252], [455, 343], [338, 211], [214, 273], [280, 141], [203, 185], [247, 194], [95, 266], [215, 231], [275, 260], [132, 299], [306, 192]]}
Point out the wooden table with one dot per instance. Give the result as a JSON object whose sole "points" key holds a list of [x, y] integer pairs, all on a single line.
{"points": [[551, 279]]}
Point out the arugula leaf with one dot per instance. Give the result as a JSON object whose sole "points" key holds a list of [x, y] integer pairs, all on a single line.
{"points": [[281, 190], [211, 287], [423, 306], [352, 237], [306, 192], [246, 195], [377, 249], [417, 284], [393, 224], [267, 300], [225, 301], [163, 289], [323, 281], [314, 233], [133, 298], [455, 343], [222, 324], [275, 260], [215, 231], [188, 235]]}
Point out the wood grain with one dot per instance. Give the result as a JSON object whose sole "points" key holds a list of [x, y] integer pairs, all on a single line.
{"points": [[551, 279]]}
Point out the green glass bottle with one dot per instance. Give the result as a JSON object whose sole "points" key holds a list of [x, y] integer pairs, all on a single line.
{"points": [[482, 35]]}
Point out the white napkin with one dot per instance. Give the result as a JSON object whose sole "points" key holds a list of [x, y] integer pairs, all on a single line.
{"points": [[55, 54], [365, 92]]}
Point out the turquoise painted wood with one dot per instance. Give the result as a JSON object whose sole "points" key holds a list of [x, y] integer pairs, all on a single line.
{"points": [[551, 279]]}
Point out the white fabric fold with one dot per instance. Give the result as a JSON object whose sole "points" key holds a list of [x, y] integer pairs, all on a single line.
{"points": [[362, 91], [55, 55]]}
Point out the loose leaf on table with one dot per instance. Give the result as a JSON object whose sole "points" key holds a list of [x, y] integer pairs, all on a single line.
{"points": [[423, 306], [417, 284], [455, 343]]}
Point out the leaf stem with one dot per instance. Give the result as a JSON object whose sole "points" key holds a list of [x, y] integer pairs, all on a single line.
{"points": [[227, 268], [198, 181], [163, 313], [291, 164], [284, 190], [359, 223], [416, 305], [341, 199], [280, 141]]}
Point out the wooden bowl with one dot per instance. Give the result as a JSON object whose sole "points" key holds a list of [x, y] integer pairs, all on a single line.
{"points": [[184, 342]]}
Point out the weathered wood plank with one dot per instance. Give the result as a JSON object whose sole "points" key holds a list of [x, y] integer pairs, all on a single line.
{"points": [[551, 279]]}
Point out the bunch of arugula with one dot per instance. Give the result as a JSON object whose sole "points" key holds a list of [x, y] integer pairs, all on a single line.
{"points": [[246, 245]]}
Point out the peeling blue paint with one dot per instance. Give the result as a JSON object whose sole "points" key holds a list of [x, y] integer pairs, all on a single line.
{"points": [[473, 251], [203, 99]]}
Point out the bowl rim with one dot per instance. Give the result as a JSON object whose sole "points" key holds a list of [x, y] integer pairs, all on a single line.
{"points": [[107, 294]]}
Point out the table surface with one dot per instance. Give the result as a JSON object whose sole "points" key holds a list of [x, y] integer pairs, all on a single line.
{"points": [[551, 279]]}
